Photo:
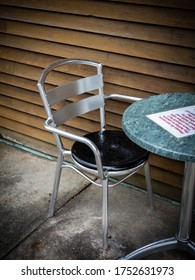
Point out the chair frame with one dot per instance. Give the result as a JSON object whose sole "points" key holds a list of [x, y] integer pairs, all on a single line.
{"points": [[51, 126]]}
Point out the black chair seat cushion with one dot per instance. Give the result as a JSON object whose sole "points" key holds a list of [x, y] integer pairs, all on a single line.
{"points": [[117, 151]]}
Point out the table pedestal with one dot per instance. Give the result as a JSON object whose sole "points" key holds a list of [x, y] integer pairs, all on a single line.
{"points": [[182, 240]]}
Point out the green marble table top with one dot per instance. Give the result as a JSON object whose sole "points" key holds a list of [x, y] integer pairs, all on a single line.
{"points": [[150, 136]]}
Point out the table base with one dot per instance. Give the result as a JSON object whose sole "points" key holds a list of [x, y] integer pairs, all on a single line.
{"points": [[137, 127], [182, 240], [162, 245]]}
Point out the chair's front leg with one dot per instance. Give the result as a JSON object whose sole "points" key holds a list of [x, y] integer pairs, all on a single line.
{"points": [[105, 205], [149, 185], [56, 185]]}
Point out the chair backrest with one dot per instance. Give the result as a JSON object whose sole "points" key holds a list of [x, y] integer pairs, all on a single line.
{"points": [[60, 93]]}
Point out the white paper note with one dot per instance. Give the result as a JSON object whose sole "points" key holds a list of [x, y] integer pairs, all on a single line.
{"points": [[179, 122]]}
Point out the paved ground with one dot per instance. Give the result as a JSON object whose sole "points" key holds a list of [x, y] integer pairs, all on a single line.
{"points": [[75, 230]]}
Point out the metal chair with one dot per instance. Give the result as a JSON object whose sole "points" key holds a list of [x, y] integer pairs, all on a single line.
{"points": [[104, 153]]}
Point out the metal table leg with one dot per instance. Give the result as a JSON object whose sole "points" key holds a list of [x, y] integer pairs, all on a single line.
{"points": [[182, 240]]}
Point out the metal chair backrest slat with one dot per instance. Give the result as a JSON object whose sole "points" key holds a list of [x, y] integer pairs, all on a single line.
{"points": [[77, 87], [78, 108], [80, 86]]}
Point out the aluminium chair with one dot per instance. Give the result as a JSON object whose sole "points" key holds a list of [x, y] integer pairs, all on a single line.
{"points": [[103, 153]]}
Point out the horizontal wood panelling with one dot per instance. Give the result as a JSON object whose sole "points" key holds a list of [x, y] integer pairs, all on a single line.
{"points": [[26, 130], [34, 110], [168, 177], [20, 94], [150, 33], [31, 85], [137, 65], [188, 4], [146, 47], [167, 164], [144, 66], [171, 54], [21, 117], [113, 76], [18, 82], [33, 97], [26, 107], [129, 12], [161, 188]]}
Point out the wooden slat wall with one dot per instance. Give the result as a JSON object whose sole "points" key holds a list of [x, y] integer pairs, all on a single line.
{"points": [[147, 47]]}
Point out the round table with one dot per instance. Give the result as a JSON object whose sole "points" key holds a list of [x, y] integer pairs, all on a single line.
{"points": [[152, 137]]}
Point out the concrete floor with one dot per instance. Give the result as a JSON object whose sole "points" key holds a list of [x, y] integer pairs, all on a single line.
{"points": [[75, 231]]}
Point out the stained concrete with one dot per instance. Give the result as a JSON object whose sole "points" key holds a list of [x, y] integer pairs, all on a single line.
{"points": [[75, 230], [25, 189]]}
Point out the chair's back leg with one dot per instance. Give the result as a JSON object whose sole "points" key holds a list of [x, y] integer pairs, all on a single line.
{"points": [[149, 185], [56, 185], [105, 201]]}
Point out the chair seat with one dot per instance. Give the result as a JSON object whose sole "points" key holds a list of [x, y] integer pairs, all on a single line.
{"points": [[117, 151]]}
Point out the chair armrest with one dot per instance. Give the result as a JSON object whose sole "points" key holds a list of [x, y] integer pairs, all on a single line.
{"points": [[122, 97], [48, 126]]}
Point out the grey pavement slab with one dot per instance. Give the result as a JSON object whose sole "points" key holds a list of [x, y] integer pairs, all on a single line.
{"points": [[75, 231], [25, 188]]}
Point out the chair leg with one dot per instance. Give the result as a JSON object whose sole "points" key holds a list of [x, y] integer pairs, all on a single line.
{"points": [[149, 185], [55, 186], [105, 202]]}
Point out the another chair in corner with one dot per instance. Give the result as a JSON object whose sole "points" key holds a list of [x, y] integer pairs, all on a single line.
{"points": [[104, 153]]}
